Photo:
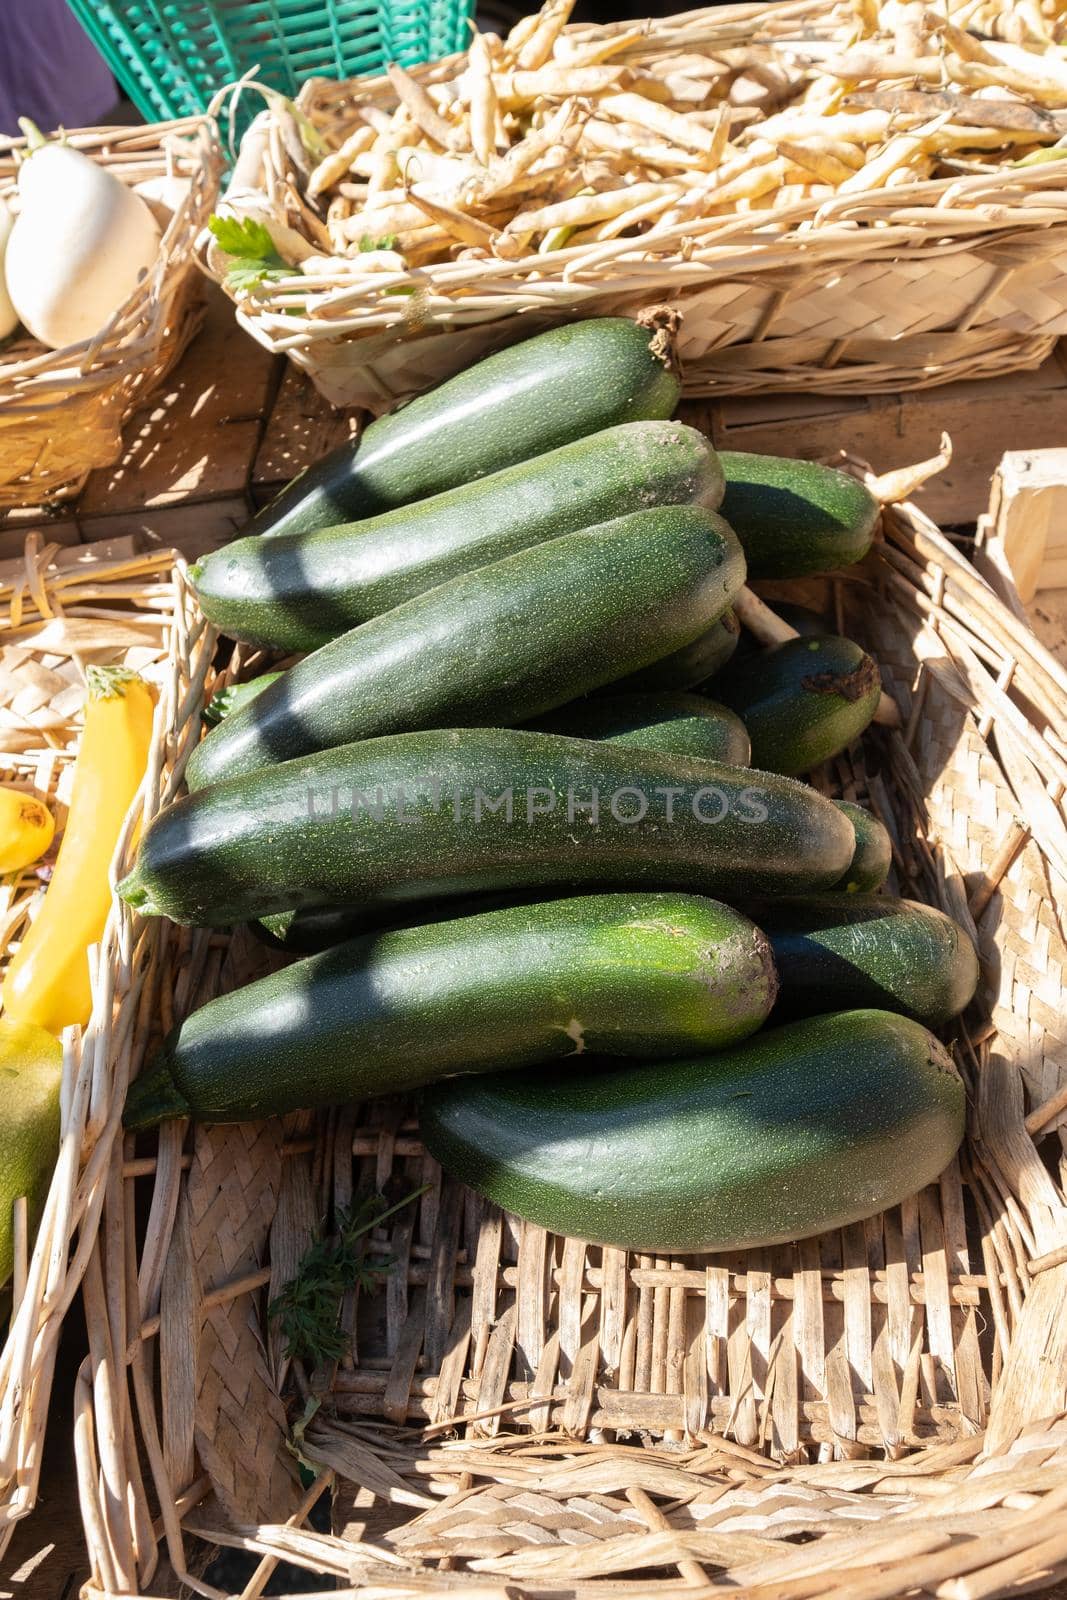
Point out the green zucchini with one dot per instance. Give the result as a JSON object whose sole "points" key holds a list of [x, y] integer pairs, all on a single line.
{"points": [[297, 591], [873, 855], [691, 665], [677, 724], [835, 950], [803, 1128], [674, 724], [422, 815], [795, 518], [321, 927], [646, 974], [236, 695], [802, 701], [518, 403], [497, 646]]}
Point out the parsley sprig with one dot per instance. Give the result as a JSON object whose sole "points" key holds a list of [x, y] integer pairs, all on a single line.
{"points": [[308, 1308], [255, 259]]}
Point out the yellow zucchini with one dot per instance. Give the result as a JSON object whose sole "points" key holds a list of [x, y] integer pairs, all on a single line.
{"points": [[26, 829], [48, 981]]}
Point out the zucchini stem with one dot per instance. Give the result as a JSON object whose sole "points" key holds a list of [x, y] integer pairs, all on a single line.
{"points": [[108, 683], [153, 1098], [663, 323]]}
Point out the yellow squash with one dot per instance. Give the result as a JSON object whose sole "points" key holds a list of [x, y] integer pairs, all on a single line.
{"points": [[26, 829], [48, 981], [31, 1071]]}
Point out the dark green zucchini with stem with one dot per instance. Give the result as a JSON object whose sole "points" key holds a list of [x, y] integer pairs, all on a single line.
{"points": [[451, 812], [674, 724], [297, 591], [800, 1129], [497, 646], [644, 974], [319, 928], [803, 701], [516, 404]]}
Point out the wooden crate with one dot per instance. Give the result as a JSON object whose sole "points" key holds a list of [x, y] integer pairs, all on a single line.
{"points": [[1021, 545]]}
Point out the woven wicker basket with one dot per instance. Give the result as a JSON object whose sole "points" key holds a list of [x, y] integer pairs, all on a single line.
{"points": [[525, 1415], [61, 411], [100, 604], [911, 285]]}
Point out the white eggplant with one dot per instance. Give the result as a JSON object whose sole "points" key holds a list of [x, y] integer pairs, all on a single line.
{"points": [[164, 196], [9, 317], [80, 243]]}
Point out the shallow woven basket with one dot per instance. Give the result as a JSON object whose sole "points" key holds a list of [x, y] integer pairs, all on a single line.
{"points": [[878, 1410], [61, 411], [100, 604], [961, 277]]}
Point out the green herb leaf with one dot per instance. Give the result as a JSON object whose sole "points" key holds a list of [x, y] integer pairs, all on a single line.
{"points": [[308, 1308], [256, 261], [243, 237], [367, 244], [248, 275]]}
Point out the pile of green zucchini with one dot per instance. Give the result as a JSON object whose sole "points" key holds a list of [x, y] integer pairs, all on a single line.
{"points": [[527, 812]]}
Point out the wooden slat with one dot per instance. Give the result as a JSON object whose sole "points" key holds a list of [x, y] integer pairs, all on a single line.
{"points": [[302, 428], [196, 439]]}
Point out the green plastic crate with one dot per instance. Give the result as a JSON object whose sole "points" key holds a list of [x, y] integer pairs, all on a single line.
{"points": [[170, 56]]}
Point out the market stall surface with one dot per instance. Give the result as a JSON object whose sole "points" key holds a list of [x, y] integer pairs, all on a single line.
{"points": [[235, 422]]}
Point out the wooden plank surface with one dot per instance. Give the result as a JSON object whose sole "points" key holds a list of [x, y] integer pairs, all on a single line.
{"points": [[195, 441], [303, 428]]}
